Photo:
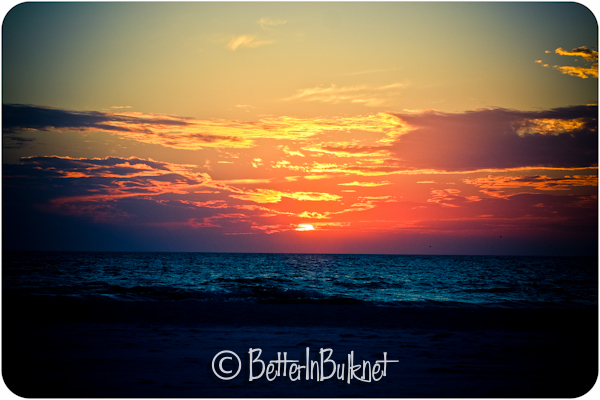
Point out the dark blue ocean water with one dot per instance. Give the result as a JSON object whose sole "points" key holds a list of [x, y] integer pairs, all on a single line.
{"points": [[387, 280]]}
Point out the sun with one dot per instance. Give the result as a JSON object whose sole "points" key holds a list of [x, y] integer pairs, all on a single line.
{"points": [[305, 227]]}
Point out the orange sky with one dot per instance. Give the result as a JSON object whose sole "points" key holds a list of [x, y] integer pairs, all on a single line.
{"points": [[304, 127]]}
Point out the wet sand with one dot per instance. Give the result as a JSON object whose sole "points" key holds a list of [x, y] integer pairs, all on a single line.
{"points": [[79, 348]]}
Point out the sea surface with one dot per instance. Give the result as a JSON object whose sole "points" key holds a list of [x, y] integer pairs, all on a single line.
{"points": [[382, 280]]}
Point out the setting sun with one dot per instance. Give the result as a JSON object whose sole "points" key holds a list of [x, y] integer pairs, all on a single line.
{"points": [[305, 227]]}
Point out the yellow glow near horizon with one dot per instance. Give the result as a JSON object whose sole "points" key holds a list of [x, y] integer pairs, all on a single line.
{"points": [[305, 227]]}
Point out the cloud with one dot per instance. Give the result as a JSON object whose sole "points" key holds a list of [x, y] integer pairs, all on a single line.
{"points": [[20, 116], [244, 107], [267, 23], [164, 130], [387, 199], [314, 215], [141, 193], [485, 140], [188, 133], [582, 51], [208, 204], [98, 187], [289, 152], [244, 181], [113, 167], [269, 212], [580, 72], [246, 41], [398, 143], [274, 196], [14, 141], [550, 126], [349, 150], [370, 96], [112, 190], [444, 197], [269, 229], [498, 139], [590, 57], [365, 203], [366, 184], [496, 186], [215, 221]]}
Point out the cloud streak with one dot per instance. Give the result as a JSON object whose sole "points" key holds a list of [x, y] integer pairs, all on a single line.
{"points": [[188, 133], [370, 96], [246, 41], [268, 23], [366, 184], [275, 196], [496, 186]]}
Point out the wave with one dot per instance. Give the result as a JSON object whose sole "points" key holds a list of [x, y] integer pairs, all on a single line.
{"points": [[266, 295], [258, 294]]}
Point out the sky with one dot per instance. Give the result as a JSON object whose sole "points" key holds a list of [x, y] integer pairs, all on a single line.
{"points": [[304, 127]]}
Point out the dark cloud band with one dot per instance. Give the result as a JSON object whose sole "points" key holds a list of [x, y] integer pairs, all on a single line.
{"points": [[492, 139]]}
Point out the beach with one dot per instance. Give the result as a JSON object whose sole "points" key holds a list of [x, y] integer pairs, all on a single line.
{"points": [[70, 347]]}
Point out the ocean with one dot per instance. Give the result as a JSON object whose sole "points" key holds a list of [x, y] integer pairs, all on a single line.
{"points": [[102, 324], [380, 280]]}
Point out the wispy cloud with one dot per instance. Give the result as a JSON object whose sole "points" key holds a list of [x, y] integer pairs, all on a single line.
{"points": [[244, 107], [366, 184], [268, 23], [350, 150], [246, 41], [368, 95]]}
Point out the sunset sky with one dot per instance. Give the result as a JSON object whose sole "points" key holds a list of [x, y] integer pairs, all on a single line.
{"points": [[401, 128]]}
